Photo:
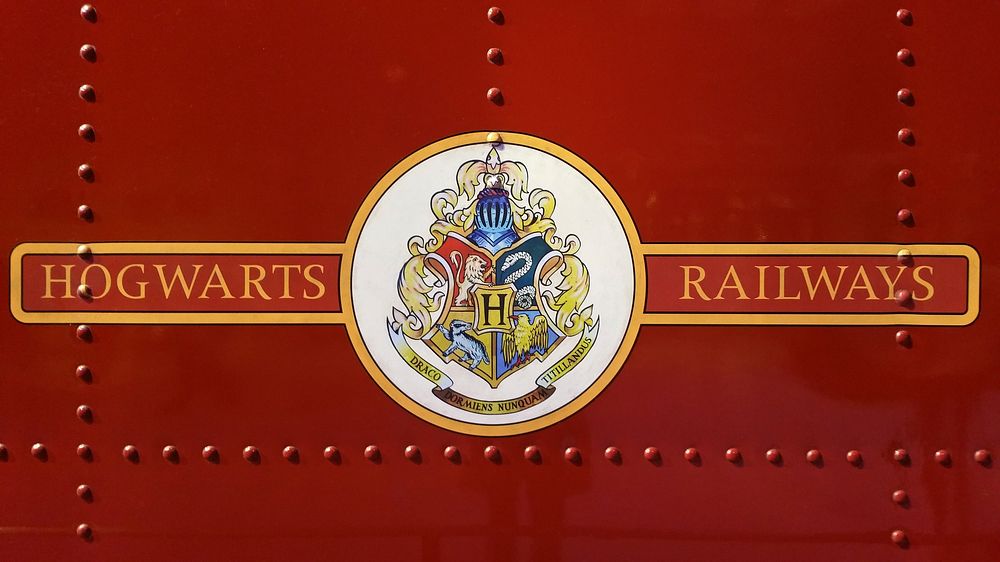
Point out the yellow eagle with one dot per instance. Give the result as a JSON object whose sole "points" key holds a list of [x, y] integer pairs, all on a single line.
{"points": [[525, 339]]}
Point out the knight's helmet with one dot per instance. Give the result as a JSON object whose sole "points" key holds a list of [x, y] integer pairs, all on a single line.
{"points": [[494, 222]]}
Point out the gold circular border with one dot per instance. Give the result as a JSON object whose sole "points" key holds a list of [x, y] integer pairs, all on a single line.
{"points": [[570, 407]]}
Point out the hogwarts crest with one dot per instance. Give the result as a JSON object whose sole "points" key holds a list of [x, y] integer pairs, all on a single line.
{"points": [[504, 280]]}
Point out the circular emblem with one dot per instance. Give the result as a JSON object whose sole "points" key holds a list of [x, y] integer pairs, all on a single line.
{"points": [[492, 288]]}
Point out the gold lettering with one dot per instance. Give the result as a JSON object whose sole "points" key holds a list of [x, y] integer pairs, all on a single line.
{"points": [[884, 270], [688, 282], [321, 288], [863, 275], [107, 279], [781, 285], [761, 269], [219, 284], [284, 272], [178, 274], [247, 281], [140, 284], [731, 274], [923, 283], [66, 281], [824, 278]]}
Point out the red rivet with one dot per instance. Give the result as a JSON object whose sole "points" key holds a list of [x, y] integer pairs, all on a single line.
{"points": [[492, 453], [903, 337], [573, 455], [39, 451], [905, 257], [251, 454], [84, 333], [291, 454], [814, 456], [452, 453], [85, 452], [88, 12], [904, 96], [854, 457], [904, 215], [495, 15], [86, 132], [733, 454], [898, 537], [773, 456], [4, 453], [85, 413], [84, 292], [531, 453], [87, 93], [373, 453], [130, 453], [495, 95], [982, 456], [901, 455], [495, 56], [651, 454], [84, 531], [691, 454], [900, 497], [88, 53], [905, 176], [84, 374], [85, 172], [905, 136], [84, 252], [171, 454], [904, 55], [85, 213], [903, 296], [210, 454], [942, 456], [332, 454], [84, 492], [904, 16], [412, 453], [613, 454]]}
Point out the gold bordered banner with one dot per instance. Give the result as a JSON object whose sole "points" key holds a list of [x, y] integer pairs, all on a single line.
{"points": [[686, 284], [811, 284], [177, 283]]}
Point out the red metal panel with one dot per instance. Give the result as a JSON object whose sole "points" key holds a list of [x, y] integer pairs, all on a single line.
{"points": [[715, 121]]}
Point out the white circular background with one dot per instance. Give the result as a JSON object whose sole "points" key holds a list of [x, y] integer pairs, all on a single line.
{"points": [[404, 211]]}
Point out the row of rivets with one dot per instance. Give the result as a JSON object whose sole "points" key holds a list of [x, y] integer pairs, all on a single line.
{"points": [[905, 135], [493, 453], [86, 131], [85, 172], [904, 296], [494, 55]]}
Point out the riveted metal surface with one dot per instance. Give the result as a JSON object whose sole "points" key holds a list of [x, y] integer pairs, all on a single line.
{"points": [[716, 121]]}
